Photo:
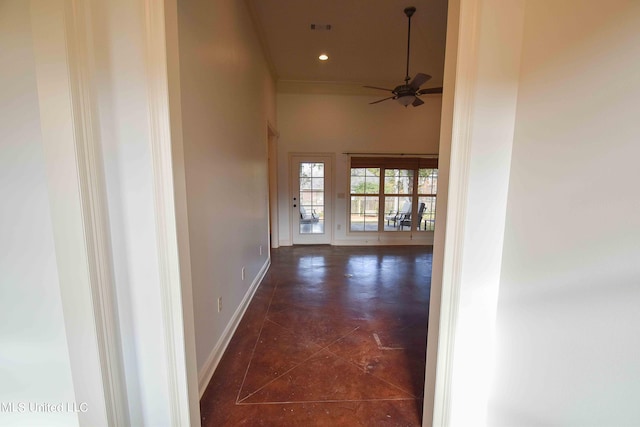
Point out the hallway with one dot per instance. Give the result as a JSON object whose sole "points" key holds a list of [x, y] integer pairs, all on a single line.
{"points": [[334, 336]]}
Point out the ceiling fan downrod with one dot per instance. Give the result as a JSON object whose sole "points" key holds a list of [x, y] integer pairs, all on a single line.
{"points": [[409, 11]]}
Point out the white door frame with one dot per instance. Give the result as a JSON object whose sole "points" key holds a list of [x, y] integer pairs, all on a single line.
{"points": [[447, 264], [272, 156], [62, 35], [457, 379], [78, 208], [294, 211]]}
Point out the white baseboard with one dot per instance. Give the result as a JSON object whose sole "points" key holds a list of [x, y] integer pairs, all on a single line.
{"points": [[428, 241], [205, 374], [375, 241]]}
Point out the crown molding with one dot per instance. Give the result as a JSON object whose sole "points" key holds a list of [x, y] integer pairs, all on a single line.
{"points": [[335, 88], [262, 38]]}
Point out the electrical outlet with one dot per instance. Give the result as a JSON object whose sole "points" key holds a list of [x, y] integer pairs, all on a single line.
{"points": [[243, 273], [219, 304], [260, 249], [339, 226]]}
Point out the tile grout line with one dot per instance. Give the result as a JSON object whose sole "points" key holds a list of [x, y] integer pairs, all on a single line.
{"points": [[374, 375], [301, 402], [244, 378], [238, 402]]}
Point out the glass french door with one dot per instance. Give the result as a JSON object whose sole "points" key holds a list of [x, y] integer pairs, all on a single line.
{"points": [[311, 199]]}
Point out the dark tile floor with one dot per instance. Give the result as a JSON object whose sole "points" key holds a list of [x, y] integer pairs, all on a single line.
{"points": [[334, 336]]}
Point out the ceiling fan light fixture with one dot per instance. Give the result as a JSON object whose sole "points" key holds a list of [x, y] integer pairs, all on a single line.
{"points": [[323, 57], [406, 100]]}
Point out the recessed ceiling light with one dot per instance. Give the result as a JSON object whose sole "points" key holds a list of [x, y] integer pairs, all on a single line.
{"points": [[321, 27], [323, 57]]}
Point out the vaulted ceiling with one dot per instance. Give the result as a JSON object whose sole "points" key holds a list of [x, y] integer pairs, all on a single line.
{"points": [[366, 45]]}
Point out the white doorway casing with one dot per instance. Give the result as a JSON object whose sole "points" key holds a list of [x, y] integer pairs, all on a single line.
{"points": [[272, 155], [484, 40], [103, 101]]}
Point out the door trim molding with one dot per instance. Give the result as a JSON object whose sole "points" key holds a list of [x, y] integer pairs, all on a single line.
{"points": [[272, 179], [453, 223], [180, 387], [62, 36]]}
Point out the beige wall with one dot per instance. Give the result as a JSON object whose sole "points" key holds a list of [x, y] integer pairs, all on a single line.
{"points": [[335, 124], [228, 99], [568, 315], [549, 337]]}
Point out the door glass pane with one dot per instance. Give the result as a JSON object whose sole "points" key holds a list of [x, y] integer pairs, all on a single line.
{"points": [[311, 198], [317, 183]]}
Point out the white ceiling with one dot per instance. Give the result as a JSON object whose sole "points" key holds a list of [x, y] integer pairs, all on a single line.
{"points": [[367, 43]]}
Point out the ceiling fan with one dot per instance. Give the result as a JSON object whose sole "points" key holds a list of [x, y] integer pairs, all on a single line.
{"points": [[409, 93]]}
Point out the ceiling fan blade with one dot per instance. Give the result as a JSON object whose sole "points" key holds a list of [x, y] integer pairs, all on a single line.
{"points": [[417, 102], [430, 90], [419, 80], [381, 88], [380, 100]]}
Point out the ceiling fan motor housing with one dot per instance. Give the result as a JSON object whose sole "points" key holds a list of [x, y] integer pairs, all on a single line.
{"points": [[404, 90]]}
